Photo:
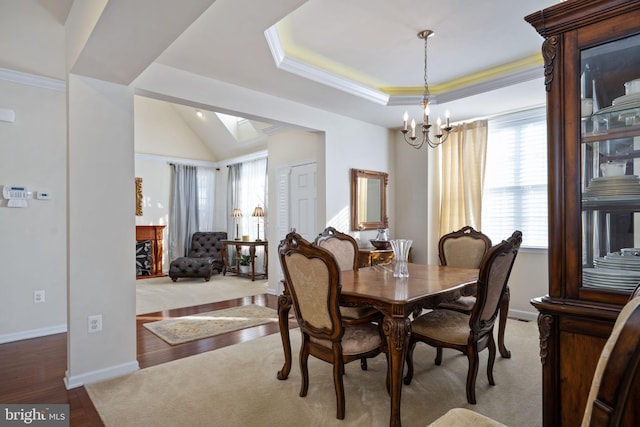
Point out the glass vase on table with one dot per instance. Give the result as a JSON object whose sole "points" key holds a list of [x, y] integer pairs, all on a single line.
{"points": [[401, 249]]}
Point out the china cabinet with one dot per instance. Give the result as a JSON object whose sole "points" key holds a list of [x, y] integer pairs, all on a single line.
{"points": [[592, 78]]}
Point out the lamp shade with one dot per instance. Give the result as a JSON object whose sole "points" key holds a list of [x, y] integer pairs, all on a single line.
{"points": [[236, 213], [258, 211]]}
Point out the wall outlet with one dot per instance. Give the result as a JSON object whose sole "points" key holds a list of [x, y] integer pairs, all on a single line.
{"points": [[94, 323], [38, 297]]}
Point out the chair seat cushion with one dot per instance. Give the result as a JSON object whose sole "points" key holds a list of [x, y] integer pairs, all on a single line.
{"points": [[464, 303], [356, 339], [443, 325], [461, 417]]}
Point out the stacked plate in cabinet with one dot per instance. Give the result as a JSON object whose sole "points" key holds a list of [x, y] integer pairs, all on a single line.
{"points": [[613, 186], [613, 271]]}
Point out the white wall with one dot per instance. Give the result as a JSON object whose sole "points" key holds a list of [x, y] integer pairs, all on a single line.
{"points": [[160, 130], [529, 279], [101, 230], [33, 257]]}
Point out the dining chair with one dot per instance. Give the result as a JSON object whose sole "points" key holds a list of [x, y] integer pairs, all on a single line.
{"points": [[312, 275], [610, 402], [472, 332], [465, 248], [345, 249]]}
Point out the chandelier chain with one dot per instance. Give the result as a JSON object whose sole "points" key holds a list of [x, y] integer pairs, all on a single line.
{"points": [[425, 98]]}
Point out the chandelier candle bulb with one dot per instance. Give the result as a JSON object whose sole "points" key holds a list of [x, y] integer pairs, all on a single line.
{"points": [[406, 119]]}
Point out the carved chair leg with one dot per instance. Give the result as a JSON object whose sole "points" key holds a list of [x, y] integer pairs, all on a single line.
{"points": [[304, 369], [492, 359], [472, 355], [438, 356], [338, 370], [502, 323], [409, 361]]}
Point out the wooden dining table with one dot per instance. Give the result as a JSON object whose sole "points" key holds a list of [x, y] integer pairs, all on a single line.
{"points": [[398, 299]]}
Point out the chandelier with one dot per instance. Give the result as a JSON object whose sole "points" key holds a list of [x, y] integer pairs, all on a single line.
{"points": [[441, 132]]}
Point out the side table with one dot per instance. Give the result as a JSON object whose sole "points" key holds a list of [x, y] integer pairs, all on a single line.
{"points": [[234, 268]]}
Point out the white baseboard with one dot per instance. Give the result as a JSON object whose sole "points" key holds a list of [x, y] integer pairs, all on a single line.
{"points": [[33, 333], [100, 375], [523, 315]]}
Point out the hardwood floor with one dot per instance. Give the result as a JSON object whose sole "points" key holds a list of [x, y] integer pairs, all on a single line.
{"points": [[32, 371]]}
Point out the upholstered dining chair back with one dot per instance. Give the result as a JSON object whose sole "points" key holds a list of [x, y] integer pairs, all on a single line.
{"points": [[343, 247], [495, 271], [463, 248], [313, 280]]}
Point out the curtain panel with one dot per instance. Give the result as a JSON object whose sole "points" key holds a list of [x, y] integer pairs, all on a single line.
{"points": [[183, 219], [463, 162]]}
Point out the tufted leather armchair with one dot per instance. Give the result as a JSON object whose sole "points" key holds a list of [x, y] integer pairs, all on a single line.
{"points": [[204, 257]]}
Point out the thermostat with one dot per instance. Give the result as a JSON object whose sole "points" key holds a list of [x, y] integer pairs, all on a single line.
{"points": [[16, 195]]}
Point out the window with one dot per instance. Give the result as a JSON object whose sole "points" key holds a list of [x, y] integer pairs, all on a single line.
{"points": [[515, 187], [206, 197]]}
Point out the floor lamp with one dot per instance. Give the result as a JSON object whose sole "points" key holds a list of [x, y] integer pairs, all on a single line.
{"points": [[237, 213], [259, 213]]}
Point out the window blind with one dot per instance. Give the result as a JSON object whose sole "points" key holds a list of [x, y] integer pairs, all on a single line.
{"points": [[515, 187]]}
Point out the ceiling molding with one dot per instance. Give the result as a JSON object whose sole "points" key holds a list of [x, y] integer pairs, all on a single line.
{"points": [[517, 77], [32, 80], [319, 75], [322, 76]]}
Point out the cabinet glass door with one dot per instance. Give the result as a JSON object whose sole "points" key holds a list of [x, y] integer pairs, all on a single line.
{"points": [[610, 172]]}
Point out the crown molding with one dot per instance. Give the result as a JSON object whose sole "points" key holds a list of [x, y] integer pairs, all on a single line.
{"points": [[33, 80], [327, 78], [319, 75], [511, 79]]}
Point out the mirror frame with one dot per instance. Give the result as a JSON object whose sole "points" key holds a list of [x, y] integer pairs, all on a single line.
{"points": [[356, 224]]}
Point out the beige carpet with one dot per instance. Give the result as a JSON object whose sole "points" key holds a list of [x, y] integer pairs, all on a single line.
{"points": [[161, 293], [189, 328], [237, 386]]}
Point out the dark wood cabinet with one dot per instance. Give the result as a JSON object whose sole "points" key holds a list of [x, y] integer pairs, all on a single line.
{"points": [[368, 257], [592, 56]]}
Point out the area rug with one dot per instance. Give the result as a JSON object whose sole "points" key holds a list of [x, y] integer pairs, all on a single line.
{"points": [[237, 386], [203, 325], [159, 294]]}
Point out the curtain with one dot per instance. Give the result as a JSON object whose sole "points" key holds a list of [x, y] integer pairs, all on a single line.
{"points": [[233, 199], [206, 197], [183, 220], [462, 176], [246, 190]]}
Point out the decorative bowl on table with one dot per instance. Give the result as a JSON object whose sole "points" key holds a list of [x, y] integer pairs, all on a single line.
{"points": [[380, 244]]}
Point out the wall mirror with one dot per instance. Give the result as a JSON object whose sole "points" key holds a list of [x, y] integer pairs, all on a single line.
{"points": [[368, 200]]}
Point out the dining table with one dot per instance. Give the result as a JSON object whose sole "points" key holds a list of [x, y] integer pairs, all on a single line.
{"points": [[398, 299]]}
